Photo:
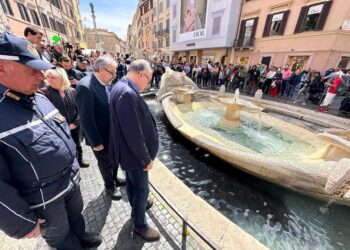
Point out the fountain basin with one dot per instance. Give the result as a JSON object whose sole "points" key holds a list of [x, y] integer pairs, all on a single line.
{"points": [[236, 131], [302, 167]]}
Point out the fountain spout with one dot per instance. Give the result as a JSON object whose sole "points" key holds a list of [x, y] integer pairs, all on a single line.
{"points": [[236, 97]]}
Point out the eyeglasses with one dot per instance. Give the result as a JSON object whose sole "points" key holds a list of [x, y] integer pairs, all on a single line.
{"points": [[147, 77], [114, 74]]}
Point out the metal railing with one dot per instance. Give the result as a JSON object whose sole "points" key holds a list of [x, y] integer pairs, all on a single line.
{"points": [[185, 222]]}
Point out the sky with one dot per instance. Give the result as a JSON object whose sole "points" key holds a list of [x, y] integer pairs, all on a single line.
{"points": [[114, 15]]}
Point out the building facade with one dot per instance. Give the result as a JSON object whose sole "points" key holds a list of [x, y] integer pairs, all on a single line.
{"points": [[145, 29], [161, 30], [4, 26], [203, 30], [52, 18], [301, 33], [79, 24], [132, 40], [107, 41]]}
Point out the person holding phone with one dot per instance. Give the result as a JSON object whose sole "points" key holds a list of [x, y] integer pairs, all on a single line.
{"points": [[74, 75]]}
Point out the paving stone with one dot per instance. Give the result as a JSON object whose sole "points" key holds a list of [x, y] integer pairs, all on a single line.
{"points": [[112, 219]]}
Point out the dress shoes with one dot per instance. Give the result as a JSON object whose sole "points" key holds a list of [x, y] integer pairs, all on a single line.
{"points": [[90, 240], [83, 164], [120, 182], [114, 194], [149, 204], [149, 234]]}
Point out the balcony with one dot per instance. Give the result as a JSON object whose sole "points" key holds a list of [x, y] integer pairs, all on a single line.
{"points": [[244, 44], [161, 33]]}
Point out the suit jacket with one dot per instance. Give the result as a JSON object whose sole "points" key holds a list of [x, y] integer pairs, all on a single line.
{"points": [[133, 136], [93, 109]]}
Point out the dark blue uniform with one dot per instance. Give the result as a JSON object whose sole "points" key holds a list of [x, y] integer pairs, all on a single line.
{"points": [[38, 165]]}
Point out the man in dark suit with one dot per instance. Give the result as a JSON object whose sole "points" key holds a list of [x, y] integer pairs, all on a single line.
{"points": [[93, 93], [74, 75], [134, 141]]}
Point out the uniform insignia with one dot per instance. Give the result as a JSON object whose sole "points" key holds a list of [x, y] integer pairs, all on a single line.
{"points": [[59, 117], [13, 96], [32, 49]]}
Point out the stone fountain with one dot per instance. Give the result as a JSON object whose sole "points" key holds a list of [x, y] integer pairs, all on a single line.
{"points": [[233, 107]]}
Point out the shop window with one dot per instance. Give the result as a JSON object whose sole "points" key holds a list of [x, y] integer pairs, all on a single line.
{"points": [[6, 6], [313, 17], [193, 59], [276, 24], [242, 60], [266, 60], [297, 62]]}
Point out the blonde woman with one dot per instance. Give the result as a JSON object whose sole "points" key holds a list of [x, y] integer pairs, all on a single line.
{"points": [[62, 96]]}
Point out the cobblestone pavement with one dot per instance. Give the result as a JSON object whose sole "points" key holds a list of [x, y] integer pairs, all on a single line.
{"points": [[112, 219]]}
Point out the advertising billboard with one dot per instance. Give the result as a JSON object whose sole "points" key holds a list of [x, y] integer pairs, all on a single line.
{"points": [[193, 19]]}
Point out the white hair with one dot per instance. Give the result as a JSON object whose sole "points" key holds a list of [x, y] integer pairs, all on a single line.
{"points": [[140, 65], [103, 61]]}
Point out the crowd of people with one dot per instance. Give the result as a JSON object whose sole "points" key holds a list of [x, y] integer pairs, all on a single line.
{"points": [[51, 97], [297, 85]]}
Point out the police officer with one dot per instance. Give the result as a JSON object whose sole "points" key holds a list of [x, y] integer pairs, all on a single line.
{"points": [[39, 173]]}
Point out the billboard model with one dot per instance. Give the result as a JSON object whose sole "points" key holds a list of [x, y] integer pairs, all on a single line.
{"points": [[193, 19]]}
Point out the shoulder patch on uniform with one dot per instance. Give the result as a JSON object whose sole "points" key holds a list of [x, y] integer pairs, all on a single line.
{"points": [[59, 117], [12, 96]]}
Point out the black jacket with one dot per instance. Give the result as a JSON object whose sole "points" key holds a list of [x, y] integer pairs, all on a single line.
{"points": [[65, 105], [74, 74], [92, 102], [133, 136], [37, 159]]}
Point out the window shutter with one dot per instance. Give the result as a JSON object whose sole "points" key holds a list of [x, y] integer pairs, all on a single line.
{"points": [[284, 22], [324, 14], [301, 20], [255, 25], [241, 34], [268, 25]]}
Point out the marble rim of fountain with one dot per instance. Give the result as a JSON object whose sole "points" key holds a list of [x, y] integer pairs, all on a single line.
{"points": [[317, 179]]}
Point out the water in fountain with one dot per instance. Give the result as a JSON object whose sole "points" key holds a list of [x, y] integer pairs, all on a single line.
{"points": [[280, 219], [236, 97], [251, 134]]}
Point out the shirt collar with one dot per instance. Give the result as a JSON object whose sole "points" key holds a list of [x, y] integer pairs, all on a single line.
{"points": [[134, 86], [99, 81]]}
